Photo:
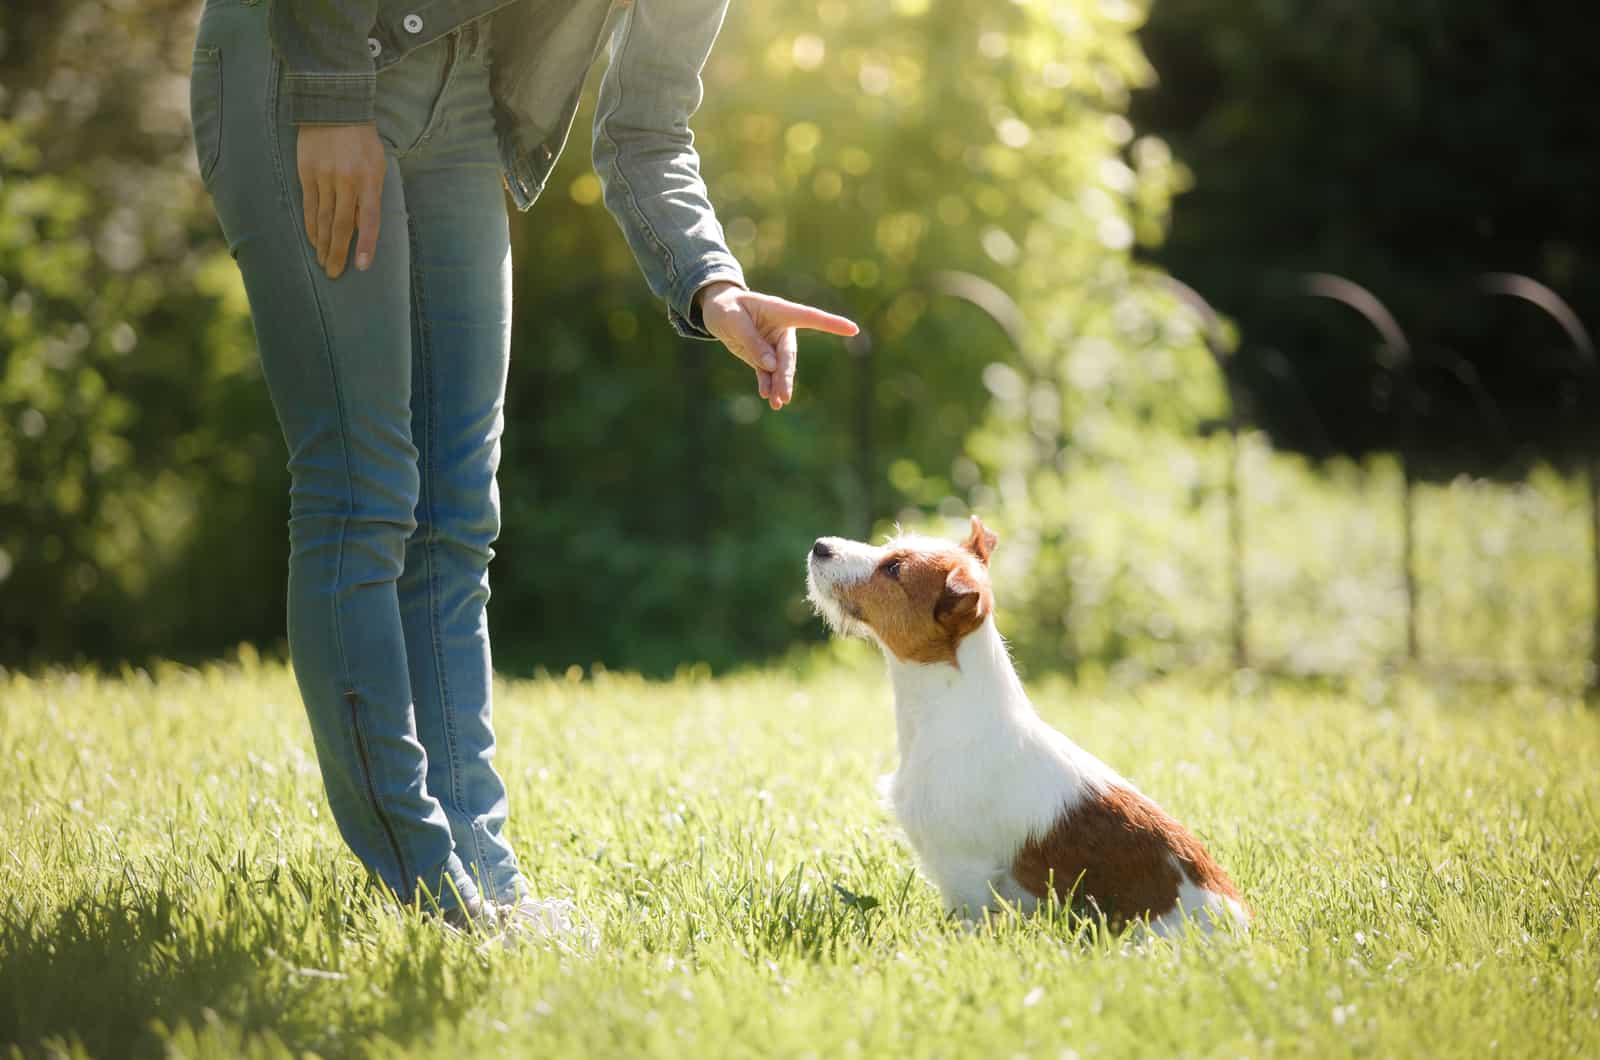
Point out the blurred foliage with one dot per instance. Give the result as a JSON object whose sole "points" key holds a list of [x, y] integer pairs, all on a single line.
{"points": [[850, 161], [1410, 147], [961, 178], [855, 151], [140, 504]]}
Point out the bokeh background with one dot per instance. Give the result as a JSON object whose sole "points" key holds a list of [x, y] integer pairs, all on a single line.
{"points": [[1003, 195]]}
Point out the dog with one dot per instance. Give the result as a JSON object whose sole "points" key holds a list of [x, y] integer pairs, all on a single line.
{"points": [[999, 806]]}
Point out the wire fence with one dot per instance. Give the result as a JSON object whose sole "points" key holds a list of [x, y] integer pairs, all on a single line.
{"points": [[1579, 373]]}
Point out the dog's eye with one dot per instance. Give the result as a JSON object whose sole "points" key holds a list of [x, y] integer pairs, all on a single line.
{"points": [[891, 568]]}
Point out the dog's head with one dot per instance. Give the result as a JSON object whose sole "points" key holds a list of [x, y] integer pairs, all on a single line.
{"points": [[918, 597]]}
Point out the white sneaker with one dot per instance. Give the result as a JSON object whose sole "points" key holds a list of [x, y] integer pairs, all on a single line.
{"points": [[482, 919], [549, 920]]}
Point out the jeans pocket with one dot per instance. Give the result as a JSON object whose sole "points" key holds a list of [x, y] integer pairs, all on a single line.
{"points": [[205, 108]]}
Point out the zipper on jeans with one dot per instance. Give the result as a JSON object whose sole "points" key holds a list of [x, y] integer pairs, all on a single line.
{"points": [[372, 792], [452, 42]]}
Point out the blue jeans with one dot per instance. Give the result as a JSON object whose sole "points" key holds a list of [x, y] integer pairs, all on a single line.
{"points": [[389, 386]]}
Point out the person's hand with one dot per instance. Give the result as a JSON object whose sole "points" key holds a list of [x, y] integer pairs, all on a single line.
{"points": [[759, 330], [341, 178]]}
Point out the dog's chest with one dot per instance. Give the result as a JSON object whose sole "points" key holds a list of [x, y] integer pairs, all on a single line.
{"points": [[940, 806], [979, 798]]}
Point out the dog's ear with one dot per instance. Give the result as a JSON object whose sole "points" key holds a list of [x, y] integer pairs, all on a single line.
{"points": [[961, 604], [981, 541]]}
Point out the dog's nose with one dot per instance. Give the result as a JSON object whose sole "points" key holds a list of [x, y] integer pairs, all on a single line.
{"points": [[820, 550]]}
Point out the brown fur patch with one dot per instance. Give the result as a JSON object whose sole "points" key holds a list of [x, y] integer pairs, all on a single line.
{"points": [[1117, 849], [921, 604]]}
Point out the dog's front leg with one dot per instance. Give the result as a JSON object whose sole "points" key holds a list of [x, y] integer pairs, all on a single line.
{"points": [[967, 887]]}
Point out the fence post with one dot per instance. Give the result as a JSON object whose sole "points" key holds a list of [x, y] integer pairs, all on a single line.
{"points": [[1363, 301], [1514, 285], [1592, 463], [1211, 335], [1408, 559]]}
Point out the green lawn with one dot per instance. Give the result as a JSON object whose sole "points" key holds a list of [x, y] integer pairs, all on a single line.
{"points": [[1422, 861]]}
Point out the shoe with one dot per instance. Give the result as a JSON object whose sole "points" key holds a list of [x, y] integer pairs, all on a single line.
{"points": [[482, 918], [554, 920]]}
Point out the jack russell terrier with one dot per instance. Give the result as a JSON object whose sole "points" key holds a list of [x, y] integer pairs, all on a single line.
{"points": [[996, 803]]}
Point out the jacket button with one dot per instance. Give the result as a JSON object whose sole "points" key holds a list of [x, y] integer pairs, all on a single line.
{"points": [[412, 23], [374, 49]]}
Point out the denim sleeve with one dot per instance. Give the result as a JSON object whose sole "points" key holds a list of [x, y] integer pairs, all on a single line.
{"points": [[328, 75], [645, 157]]}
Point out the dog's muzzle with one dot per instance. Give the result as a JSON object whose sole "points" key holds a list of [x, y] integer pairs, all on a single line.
{"points": [[831, 563]]}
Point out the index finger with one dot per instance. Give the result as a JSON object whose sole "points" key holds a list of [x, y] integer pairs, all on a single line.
{"points": [[805, 316]]}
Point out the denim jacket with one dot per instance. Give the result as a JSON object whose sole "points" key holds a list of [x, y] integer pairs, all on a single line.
{"points": [[540, 53]]}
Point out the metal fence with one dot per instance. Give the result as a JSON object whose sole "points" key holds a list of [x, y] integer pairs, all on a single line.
{"points": [[1580, 373]]}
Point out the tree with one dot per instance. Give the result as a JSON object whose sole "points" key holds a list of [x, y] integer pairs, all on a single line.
{"points": [[1410, 147]]}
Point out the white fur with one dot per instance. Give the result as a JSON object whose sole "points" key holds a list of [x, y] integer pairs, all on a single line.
{"points": [[980, 772], [1200, 906]]}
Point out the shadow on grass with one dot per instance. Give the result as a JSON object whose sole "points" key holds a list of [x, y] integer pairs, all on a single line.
{"points": [[107, 974]]}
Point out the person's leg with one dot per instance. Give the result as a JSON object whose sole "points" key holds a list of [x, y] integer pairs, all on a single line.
{"points": [[337, 358], [461, 319]]}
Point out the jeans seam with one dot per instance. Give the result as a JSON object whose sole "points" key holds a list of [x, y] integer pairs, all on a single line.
{"points": [[372, 793], [345, 675]]}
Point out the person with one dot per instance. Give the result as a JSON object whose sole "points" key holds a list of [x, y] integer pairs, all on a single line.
{"points": [[358, 155]]}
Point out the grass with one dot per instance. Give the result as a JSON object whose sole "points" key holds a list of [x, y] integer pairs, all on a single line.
{"points": [[1422, 860]]}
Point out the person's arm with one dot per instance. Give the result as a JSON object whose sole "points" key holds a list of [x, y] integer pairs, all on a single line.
{"points": [[330, 83], [645, 157]]}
